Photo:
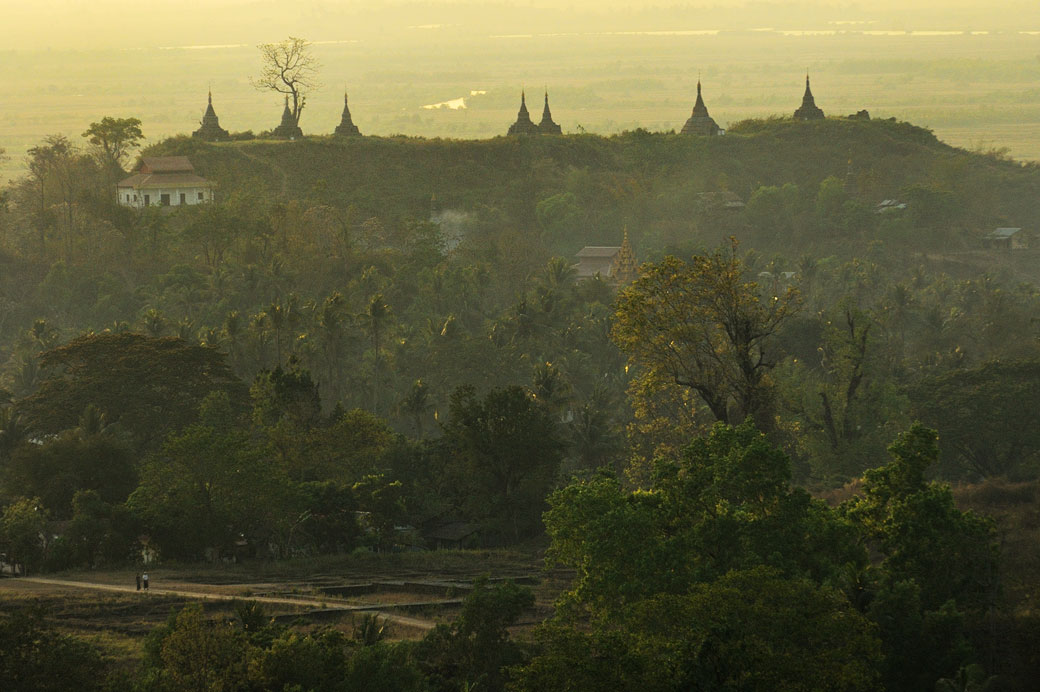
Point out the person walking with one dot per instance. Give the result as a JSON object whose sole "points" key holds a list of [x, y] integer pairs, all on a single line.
{"points": [[144, 580], [138, 581]]}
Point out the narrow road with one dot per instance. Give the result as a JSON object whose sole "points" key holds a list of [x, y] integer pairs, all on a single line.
{"points": [[322, 604]]}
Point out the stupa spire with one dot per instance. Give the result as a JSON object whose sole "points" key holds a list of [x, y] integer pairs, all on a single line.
{"points": [[523, 124], [808, 110], [210, 128], [288, 127], [625, 269], [699, 122], [346, 125], [547, 126]]}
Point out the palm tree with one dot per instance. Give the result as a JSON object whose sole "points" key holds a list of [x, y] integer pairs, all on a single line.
{"points": [[13, 432], [232, 334], [92, 422], [416, 405], [376, 317]]}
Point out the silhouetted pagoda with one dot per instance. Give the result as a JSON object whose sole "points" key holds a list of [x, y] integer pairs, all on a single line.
{"points": [[700, 123], [288, 129], [523, 124], [210, 129], [346, 126], [547, 126], [808, 110]]}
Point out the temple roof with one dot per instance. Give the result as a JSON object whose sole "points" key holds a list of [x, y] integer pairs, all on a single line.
{"points": [[523, 124], [699, 122], [808, 110]]}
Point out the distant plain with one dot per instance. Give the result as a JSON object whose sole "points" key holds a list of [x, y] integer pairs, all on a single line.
{"points": [[977, 91]]}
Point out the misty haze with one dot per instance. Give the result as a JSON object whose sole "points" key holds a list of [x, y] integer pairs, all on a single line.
{"points": [[520, 346]]}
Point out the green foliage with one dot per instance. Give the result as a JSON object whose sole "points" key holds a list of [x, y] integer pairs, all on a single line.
{"points": [[951, 555], [475, 649], [35, 657], [23, 533], [148, 386], [727, 504], [703, 325], [75, 461], [920, 646], [835, 389], [100, 533], [749, 630], [314, 662], [115, 138], [983, 416], [507, 452], [209, 485], [197, 655]]}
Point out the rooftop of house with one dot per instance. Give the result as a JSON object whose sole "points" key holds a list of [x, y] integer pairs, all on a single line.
{"points": [[1004, 232], [162, 172], [165, 164], [598, 251]]}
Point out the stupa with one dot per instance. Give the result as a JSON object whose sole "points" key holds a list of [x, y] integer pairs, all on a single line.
{"points": [[808, 109], [547, 126], [625, 269], [346, 126], [523, 124], [210, 129], [288, 128], [700, 123]]}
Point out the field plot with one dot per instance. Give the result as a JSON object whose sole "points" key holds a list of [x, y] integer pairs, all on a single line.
{"points": [[410, 593]]}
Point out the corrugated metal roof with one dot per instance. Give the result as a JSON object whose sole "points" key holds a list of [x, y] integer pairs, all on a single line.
{"points": [[598, 251], [1004, 232]]}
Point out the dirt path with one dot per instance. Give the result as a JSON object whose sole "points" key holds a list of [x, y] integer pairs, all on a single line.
{"points": [[322, 604]]}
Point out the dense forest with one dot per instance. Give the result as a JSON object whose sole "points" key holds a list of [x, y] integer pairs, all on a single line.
{"points": [[741, 454]]}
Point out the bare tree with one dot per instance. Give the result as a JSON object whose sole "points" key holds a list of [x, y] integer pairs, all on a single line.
{"points": [[289, 68]]}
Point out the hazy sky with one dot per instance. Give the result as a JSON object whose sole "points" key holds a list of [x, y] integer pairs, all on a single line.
{"points": [[56, 24]]}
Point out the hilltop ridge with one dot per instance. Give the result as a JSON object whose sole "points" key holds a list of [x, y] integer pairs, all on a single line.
{"points": [[651, 182]]}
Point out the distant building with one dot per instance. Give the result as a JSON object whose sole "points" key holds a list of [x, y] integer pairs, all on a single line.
{"points": [[699, 122], [523, 124], [547, 126], [724, 199], [808, 110], [889, 206], [210, 129], [617, 263], [346, 127], [1007, 239], [167, 181], [288, 129]]}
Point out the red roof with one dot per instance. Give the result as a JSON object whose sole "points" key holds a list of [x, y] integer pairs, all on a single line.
{"points": [[166, 164]]}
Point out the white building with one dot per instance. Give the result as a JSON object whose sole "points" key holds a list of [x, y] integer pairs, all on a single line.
{"points": [[166, 181]]}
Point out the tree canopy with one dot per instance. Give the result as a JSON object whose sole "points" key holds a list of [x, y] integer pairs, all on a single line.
{"points": [[148, 386]]}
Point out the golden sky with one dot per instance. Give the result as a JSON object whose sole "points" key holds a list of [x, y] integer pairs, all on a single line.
{"points": [[57, 24]]}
